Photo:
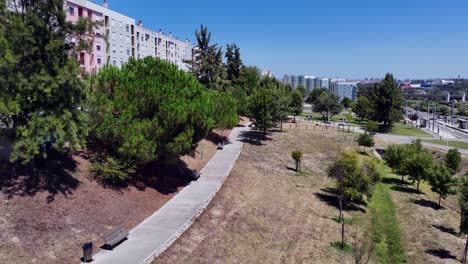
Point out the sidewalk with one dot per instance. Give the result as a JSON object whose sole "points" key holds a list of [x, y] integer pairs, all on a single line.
{"points": [[160, 230]]}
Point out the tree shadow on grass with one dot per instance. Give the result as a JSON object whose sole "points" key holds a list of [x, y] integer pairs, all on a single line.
{"points": [[395, 181], [216, 138], [53, 175], [427, 203], [405, 189], [447, 230], [253, 137], [165, 178], [441, 253], [330, 197]]}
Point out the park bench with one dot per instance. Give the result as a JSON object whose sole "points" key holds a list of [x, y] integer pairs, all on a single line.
{"points": [[116, 236], [195, 175], [220, 146]]}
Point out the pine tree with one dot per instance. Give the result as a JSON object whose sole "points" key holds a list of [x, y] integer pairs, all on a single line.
{"points": [[453, 160], [150, 110], [207, 65], [386, 99], [41, 94], [233, 63]]}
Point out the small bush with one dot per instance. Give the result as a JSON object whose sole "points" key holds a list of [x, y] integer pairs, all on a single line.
{"points": [[110, 170], [297, 155], [366, 140], [346, 247]]}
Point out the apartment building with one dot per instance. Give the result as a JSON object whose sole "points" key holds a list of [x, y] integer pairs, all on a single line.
{"points": [[119, 38], [344, 89], [166, 47]]}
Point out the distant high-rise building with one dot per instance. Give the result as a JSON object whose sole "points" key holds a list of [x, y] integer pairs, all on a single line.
{"points": [[325, 83], [344, 89]]}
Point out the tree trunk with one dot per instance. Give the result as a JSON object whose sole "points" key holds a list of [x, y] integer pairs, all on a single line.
{"points": [[440, 198], [294, 119], [417, 187], [297, 166], [281, 125], [402, 179], [342, 222], [466, 249]]}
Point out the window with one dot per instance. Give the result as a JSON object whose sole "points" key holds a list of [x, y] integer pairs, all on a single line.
{"points": [[128, 28], [128, 52], [98, 47], [142, 38], [71, 11], [99, 61], [114, 62], [80, 12]]}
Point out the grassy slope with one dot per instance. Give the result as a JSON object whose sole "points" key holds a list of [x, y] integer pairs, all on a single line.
{"points": [[406, 130], [454, 144], [385, 227]]}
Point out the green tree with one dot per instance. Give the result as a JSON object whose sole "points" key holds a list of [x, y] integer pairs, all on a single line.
{"points": [[366, 140], [297, 157], [297, 103], [372, 127], [362, 108], [418, 167], [150, 110], [249, 79], [303, 90], [41, 96], [442, 182], [328, 105], [396, 155], [314, 95], [346, 102], [453, 160], [387, 102], [233, 63], [241, 100], [261, 107], [443, 110], [207, 65], [225, 112], [281, 110], [463, 203], [351, 182]]}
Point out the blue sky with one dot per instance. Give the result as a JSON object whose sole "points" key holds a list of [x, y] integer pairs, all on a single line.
{"points": [[345, 38]]}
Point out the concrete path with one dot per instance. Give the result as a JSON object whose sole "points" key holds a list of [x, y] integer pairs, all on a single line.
{"points": [[159, 231]]}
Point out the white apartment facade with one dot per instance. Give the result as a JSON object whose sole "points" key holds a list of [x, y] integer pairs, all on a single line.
{"points": [[123, 39], [119, 38]]}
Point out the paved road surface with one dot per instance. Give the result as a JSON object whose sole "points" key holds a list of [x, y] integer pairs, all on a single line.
{"points": [[408, 140], [159, 231]]}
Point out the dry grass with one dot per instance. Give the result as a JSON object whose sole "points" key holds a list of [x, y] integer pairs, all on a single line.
{"points": [[266, 213], [430, 233]]}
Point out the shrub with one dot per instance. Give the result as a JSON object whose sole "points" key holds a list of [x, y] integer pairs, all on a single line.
{"points": [[297, 156], [366, 140], [110, 170]]}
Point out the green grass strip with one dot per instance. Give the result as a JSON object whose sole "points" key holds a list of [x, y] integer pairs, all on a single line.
{"points": [[385, 227]]}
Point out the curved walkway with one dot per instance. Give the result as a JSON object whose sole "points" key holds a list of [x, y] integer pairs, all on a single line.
{"points": [[160, 230]]}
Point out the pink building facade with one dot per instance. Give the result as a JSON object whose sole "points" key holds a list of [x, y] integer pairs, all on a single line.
{"points": [[94, 60]]}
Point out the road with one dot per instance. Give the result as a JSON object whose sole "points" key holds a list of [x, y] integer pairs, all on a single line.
{"points": [[159, 231]]}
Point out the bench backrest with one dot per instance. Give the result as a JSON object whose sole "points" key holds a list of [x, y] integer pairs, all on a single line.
{"points": [[115, 236]]}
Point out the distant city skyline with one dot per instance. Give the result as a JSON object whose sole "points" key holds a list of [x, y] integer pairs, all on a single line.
{"points": [[350, 39]]}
